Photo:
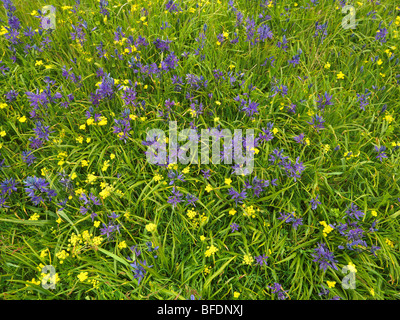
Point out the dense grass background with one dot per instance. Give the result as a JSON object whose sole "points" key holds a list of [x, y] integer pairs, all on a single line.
{"points": [[181, 267]]}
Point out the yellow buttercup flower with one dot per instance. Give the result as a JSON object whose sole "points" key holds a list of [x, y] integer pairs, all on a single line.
{"points": [[151, 227], [82, 276], [34, 217], [122, 245], [228, 181], [232, 212], [340, 75]]}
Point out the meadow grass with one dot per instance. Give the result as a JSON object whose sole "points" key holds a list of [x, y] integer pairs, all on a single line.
{"points": [[32, 236]]}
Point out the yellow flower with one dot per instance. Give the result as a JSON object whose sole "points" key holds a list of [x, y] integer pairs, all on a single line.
{"points": [[208, 188], [122, 245], [96, 224], [73, 175], [340, 75], [62, 255], [173, 166], [236, 295], [33, 281], [59, 220], [352, 267], [232, 212], [326, 147], [34, 217], [186, 170], [202, 238], [374, 213], [327, 228], [82, 276], [372, 292], [158, 177], [228, 181], [379, 62], [327, 65], [191, 214], [84, 163], [389, 243], [151, 227], [39, 63], [105, 165], [3, 31], [389, 118], [249, 211], [22, 119], [2, 133], [91, 178], [248, 259], [79, 191], [275, 130], [112, 156], [331, 284], [210, 251], [3, 105], [44, 253], [206, 269], [102, 122]]}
